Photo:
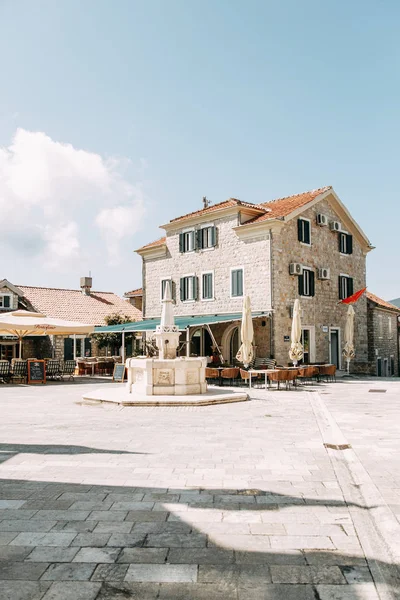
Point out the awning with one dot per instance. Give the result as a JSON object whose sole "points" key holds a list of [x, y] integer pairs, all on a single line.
{"points": [[181, 322]]}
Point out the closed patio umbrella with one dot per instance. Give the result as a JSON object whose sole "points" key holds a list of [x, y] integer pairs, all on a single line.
{"points": [[296, 351], [22, 323], [348, 350], [246, 352]]}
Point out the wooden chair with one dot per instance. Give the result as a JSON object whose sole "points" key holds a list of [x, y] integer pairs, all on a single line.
{"points": [[212, 374], [245, 376], [279, 376], [5, 374], [328, 371], [231, 373]]}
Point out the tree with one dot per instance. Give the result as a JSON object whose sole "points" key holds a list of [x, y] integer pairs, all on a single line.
{"points": [[113, 340]]}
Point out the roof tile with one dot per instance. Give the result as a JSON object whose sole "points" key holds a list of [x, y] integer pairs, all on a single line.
{"points": [[73, 305], [381, 302]]}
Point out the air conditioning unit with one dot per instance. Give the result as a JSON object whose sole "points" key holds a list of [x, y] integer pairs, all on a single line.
{"points": [[324, 273], [322, 220], [335, 226], [295, 269]]}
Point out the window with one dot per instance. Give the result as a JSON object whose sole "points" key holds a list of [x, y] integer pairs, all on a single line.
{"points": [[307, 283], [186, 241], [162, 288], [207, 287], [345, 286], [5, 301], [304, 231], [380, 326], [390, 327], [206, 237], [236, 283], [345, 243], [188, 288]]}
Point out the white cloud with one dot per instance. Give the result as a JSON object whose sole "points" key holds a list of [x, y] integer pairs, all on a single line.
{"points": [[53, 198]]}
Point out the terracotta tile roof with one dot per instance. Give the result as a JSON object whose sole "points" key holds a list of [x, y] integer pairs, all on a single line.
{"points": [[381, 302], [221, 205], [134, 293], [281, 207], [73, 305], [159, 242]]}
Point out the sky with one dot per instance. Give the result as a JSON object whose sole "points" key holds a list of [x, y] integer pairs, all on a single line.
{"points": [[116, 117]]}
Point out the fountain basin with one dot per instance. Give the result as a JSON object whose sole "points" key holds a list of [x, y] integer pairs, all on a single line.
{"points": [[166, 377]]}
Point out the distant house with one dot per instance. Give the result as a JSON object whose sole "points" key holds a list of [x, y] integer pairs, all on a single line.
{"points": [[383, 336], [83, 305], [135, 297]]}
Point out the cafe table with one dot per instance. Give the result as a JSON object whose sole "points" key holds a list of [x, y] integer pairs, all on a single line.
{"points": [[260, 372]]}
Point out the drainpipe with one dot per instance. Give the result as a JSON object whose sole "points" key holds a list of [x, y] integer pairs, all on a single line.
{"points": [[271, 340], [74, 346]]}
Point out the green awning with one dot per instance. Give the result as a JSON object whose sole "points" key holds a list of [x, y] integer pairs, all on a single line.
{"points": [[181, 322]]}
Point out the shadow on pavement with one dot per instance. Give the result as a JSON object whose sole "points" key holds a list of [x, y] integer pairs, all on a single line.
{"points": [[177, 544]]}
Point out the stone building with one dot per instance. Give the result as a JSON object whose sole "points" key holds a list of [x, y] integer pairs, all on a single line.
{"points": [[83, 305], [383, 335], [135, 297], [306, 246]]}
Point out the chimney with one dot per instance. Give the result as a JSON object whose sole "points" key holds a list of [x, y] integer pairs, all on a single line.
{"points": [[86, 284]]}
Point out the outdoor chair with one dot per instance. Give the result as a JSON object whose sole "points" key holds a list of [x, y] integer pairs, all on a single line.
{"points": [[101, 365], [245, 376], [230, 374], [5, 374], [68, 370], [328, 371], [81, 367], [290, 377], [19, 370], [279, 376], [212, 374], [53, 370]]}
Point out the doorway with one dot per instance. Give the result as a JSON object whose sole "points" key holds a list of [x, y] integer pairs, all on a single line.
{"points": [[201, 342], [334, 347], [308, 342]]}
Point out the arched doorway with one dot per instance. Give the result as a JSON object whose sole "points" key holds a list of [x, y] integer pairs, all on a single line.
{"points": [[230, 343], [201, 342]]}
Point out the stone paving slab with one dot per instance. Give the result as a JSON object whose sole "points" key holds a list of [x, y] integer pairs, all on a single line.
{"points": [[237, 501]]}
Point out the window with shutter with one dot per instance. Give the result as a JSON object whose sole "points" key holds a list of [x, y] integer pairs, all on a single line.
{"points": [[207, 286], [304, 231], [307, 283], [186, 241], [206, 237], [345, 243], [346, 287], [236, 283], [188, 288], [5, 301]]}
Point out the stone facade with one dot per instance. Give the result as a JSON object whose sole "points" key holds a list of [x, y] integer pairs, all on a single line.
{"points": [[265, 253], [252, 255], [321, 313], [383, 356]]}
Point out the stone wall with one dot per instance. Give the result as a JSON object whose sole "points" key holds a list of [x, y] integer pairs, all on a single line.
{"points": [[253, 255], [14, 298], [323, 309], [383, 340]]}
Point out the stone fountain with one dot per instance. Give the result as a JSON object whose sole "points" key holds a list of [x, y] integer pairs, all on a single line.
{"points": [[168, 380], [167, 375]]}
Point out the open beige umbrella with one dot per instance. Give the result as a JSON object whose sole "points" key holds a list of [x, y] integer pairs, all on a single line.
{"points": [[296, 350], [246, 352], [348, 350], [22, 323]]}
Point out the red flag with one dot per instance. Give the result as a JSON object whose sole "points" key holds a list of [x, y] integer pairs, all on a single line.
{"points": [[353, 298]]}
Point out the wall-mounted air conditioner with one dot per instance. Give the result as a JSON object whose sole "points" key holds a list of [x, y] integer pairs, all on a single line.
{"points": [[322, 220], [295, 269], [324, 273], [335, 226]]}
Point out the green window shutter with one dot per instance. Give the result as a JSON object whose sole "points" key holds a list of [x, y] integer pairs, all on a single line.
{"points": [[195, 286], [182, 288], [301, 285], [300, 230], [307, 233], [312, 283], [213, 236], [340, 288], [6, 301], [350, 286], [240, 283], [199, 239], [349, 244], [340, 239], [234, 283], [181, 249]]}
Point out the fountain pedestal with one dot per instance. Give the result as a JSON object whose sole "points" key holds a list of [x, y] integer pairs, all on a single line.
{"points": [[166, 377]]}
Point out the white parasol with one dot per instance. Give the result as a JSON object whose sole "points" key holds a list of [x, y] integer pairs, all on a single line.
{"points": [[246, 352], [348, 350], [296, 351]]}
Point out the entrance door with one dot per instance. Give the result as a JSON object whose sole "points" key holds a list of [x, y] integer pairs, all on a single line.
{"points": [[234, 345], [334, 348], [305, 340]]}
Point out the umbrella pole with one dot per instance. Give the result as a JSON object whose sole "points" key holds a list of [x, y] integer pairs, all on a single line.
{"points": [[20, 347], [123, 346], [348, 366]]}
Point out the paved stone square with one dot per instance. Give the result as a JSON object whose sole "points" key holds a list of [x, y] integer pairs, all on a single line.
{"points": [[294, 496]]}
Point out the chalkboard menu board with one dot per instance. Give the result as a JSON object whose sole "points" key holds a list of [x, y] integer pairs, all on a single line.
{"points": [[119, 373], [36, 371]]}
